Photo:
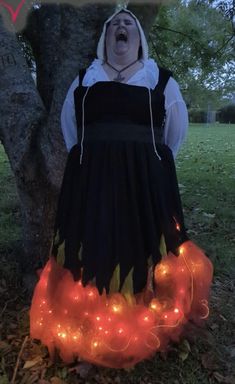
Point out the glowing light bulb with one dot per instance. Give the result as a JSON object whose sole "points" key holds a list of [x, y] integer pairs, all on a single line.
{"points": [[177, 226], [161, 270], [176, 310], [120, 331], [116, 308], [98, 318], [165, 316], [95, 344], [62, 334], [181, 250], [146, 318]]}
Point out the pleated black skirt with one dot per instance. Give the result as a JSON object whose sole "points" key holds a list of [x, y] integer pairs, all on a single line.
{"points": [[118, 209]]}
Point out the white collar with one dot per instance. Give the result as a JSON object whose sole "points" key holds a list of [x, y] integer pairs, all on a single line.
{"points": [[149, 73]]}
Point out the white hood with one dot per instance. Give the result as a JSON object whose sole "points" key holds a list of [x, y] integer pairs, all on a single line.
{"points": [[101, 43]]}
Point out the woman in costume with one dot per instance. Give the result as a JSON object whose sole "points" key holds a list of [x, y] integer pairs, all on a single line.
{"points": [[123, 278]]}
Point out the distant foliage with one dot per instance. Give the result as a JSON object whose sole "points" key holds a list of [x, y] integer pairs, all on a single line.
{"points": [[227, 114], [197, 116], [195, 40]]}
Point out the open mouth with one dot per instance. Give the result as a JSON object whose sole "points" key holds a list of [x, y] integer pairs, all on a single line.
{"points": [[121, 37]]}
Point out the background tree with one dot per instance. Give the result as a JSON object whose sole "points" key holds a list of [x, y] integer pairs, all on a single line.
{"points": [[195, 39], [63, 39]]}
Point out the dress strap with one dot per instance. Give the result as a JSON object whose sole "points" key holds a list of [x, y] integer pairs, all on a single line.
{"points": [[158, 92], [82, 73], [164, 75]]}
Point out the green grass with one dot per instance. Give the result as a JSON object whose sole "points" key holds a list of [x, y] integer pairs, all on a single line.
{"points": [[206, 174], [10, 231]]}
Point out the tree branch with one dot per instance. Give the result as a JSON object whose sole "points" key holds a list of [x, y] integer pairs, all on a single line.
{"points": [[195, 41], [224, 45]]}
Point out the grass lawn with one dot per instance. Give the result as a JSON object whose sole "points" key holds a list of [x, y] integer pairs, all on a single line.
{"points": [[206, 175]]}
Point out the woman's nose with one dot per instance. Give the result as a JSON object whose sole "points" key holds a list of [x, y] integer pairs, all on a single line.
{"points": [[121, 23]]}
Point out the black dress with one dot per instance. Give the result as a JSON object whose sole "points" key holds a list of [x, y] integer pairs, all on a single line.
{"points": [[105, 295], [119, 204]]}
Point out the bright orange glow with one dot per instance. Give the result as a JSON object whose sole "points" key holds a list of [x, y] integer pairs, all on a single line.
{"points": [[62, 334], [155, 305], [116, 308], [178, 227], [181, 250], [114, 330]]}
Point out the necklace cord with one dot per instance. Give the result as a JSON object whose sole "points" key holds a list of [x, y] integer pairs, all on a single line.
{"points": [[123, 69]]}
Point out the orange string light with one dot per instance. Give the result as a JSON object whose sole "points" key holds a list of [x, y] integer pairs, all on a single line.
{"points": [[102, 328]]}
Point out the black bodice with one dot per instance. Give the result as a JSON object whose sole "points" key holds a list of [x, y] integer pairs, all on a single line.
{"points": [[109, 102]]}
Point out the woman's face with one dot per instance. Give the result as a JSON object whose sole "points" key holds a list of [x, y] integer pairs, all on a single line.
{"points": [[122, 35]]}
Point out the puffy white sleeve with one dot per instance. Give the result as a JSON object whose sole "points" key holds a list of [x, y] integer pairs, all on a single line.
{"points": [[176, 124], [68, 118]]}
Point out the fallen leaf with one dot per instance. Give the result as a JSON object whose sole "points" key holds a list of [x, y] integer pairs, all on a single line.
{"points": [[184, 350], [4, 348], [13, 326], [31, 363], [210, 361], [82, 369], [4, 379], [209, 215], [223, 379], [57, 380], [214, 326], [232, 352]]}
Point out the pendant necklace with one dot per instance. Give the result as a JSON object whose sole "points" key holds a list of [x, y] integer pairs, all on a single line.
{"points": [[119, 77]]}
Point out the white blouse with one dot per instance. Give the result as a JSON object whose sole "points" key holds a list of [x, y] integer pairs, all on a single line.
{"points": [[176, 112]]}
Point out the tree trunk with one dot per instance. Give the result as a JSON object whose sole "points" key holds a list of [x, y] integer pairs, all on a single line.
{"points": [[63, 39]]}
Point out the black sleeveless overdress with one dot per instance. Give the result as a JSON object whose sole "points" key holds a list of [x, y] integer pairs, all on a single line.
{"points": [[119, 201]]}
